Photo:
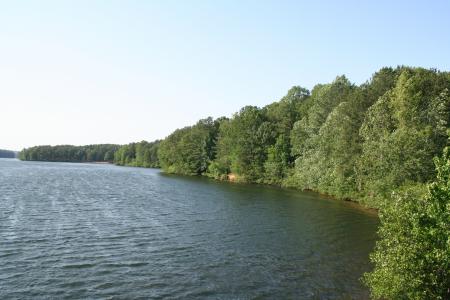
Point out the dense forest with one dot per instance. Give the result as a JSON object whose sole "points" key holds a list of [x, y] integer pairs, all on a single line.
{"points": [[69, 153], [7, 154], [142, 154], [355, 142], [412, 256]]}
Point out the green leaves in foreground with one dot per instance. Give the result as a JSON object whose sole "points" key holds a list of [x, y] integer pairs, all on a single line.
{"points": [[412, 258]]}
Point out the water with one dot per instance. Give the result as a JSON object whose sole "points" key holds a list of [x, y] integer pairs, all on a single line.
{"points": [[86, 231]]}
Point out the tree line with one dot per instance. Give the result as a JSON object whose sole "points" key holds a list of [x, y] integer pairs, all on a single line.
{"points": [[142, 154], [7, 154], [69, 153], [352, 141]]}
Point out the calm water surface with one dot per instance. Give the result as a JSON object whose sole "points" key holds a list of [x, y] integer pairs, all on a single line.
{"points": [[86, 231]]}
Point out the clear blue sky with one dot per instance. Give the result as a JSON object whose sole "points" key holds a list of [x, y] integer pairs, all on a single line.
{"points": [[82, 72]]}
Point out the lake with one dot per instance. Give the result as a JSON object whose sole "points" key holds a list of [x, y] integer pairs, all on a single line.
{"points": [[90, 231]]}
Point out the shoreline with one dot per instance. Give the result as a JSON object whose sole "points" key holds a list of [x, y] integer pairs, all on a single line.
{"points": [[72, 161], [231, 180], [351, 202]]}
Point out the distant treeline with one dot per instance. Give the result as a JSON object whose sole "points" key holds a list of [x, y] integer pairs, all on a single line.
{"points": [[69, 153], [142, 154], [7, 154]]}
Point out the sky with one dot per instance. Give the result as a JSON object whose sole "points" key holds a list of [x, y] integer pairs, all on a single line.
{"points": [[88, 71]]}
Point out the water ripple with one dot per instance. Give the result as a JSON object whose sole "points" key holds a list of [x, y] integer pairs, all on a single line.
{"points": [[83, 231]]}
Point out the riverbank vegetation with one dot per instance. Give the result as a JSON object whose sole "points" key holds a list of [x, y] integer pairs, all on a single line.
{"points": [[412, 257], [352, 142], [142, 154]]}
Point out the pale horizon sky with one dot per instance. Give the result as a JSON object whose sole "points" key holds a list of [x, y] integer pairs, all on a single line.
{"points": [[89, 72]]}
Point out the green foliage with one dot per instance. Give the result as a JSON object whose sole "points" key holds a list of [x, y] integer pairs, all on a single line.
{"points": [[243, 141], [143, 154], [278, 161], [363, 142], [254, 145], [217, 170], [319, 137], [358, 142], [189, 150], [69, 153], [403, 131], [412, 258]]}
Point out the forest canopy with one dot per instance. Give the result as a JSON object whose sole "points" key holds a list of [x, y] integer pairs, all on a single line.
{"points": [[352, 141], [142, 154]]}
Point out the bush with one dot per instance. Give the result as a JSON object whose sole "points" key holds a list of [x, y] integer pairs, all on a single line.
{"points": [[412, 258]]}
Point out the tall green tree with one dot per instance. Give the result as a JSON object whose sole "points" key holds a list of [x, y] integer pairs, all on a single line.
{"points": [[310, 135], [282, 115], [189, 150], [142, 154], [242, 144], [403, 131]]}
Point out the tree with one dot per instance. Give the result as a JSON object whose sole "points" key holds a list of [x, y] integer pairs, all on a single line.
{"points": [[403, 130], [189, 150], [278, 161], [311, 139], [412, 257], [243, 142], [142, 154]]}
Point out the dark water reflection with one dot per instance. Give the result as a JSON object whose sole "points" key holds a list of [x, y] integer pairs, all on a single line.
{"points": [[77, 231]]}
